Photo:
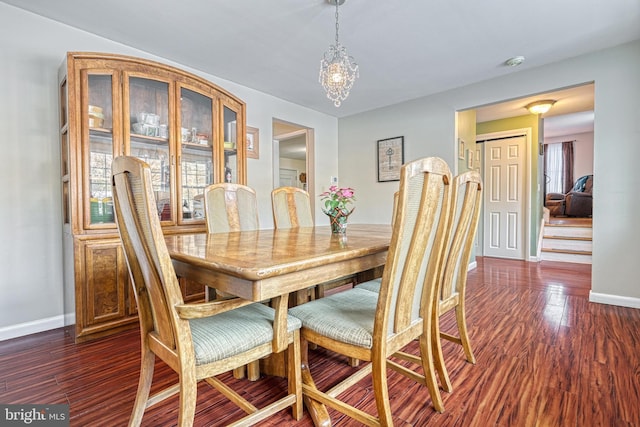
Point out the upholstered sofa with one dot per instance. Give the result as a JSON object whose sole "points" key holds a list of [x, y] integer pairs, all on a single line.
{"points": [[577, 202]]}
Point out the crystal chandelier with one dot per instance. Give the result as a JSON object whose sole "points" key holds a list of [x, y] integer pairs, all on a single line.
{"points": [[337, 69]]}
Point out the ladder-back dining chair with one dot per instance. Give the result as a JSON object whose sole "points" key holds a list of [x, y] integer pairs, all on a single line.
{"points": [[230, 207], [291, 208], [198, 341], [464, 214], [373, 326]]}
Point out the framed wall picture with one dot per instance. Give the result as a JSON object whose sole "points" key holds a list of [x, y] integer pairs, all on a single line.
{"points": [[460, 149], [253, 143], [469, 159], [390, 158]]}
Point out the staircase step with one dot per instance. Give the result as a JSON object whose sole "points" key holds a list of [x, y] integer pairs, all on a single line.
{"points": [[567, 251], [567, 241], [580, 257], [577, 243], [580, 238], [568, 231], [569, 224], [563, 244]]}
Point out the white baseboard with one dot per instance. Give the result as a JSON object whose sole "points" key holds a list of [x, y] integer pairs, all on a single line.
{"points": [[472, 265], [614, 300], [35, 326]]}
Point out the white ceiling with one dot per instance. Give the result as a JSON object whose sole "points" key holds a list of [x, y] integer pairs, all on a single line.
{"points": [[572, 113], [405, 49]]}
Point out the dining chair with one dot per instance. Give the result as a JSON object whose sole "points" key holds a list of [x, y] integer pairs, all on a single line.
{"points": [[373, 326], [202, 340], [464, 214], [231, 207], [291, 208]]}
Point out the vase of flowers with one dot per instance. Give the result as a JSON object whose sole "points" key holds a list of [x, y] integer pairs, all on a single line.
{"points": [[336, 202]]}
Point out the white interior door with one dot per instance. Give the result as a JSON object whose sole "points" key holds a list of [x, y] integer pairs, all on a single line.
{"points": [[505, 197], [288, 178]]}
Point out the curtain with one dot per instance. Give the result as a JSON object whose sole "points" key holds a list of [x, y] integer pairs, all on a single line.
{"points": [[558, 167], [567, 158], [554, 168]]}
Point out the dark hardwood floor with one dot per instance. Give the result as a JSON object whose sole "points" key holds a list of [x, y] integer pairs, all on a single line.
{"points": [[545, 357]]}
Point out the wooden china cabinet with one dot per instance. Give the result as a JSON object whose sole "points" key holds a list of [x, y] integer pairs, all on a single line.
{"points": [[190, 131]]}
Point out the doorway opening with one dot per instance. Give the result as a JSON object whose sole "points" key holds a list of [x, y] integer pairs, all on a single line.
{"points": [[571, 118], [293, 157]]}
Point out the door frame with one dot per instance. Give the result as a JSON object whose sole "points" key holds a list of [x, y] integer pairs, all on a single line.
{"points": [[480, 139]]}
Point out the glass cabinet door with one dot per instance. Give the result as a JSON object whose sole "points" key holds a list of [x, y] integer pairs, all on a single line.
{"points": [[147, 124], [196, 123], [233, 141], [99, 119]]}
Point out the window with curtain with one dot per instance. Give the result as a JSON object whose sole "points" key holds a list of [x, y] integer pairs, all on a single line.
{"points": [[554, 168], [558, 167]]}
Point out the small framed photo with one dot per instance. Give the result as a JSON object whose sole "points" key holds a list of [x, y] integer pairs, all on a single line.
{"points": [[460, 149], [469, 159], [390, 158], [253, 143]]}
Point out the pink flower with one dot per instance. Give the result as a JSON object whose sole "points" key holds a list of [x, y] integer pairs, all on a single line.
{"points": [[337, 198]]}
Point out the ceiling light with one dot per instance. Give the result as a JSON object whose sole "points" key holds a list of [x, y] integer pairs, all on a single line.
{"points": [[338, 71], [540, 107], [515, 61]]}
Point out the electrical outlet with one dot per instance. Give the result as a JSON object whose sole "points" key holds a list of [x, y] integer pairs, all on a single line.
{"points": [[334, 180]]}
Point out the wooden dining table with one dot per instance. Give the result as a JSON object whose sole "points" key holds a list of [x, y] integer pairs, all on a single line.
{"points": [[270, 264]]}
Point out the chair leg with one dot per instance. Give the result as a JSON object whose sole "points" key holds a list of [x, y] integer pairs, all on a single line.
{"points": [[147, 363], [381, 392], [461, 319], [188, 398], [426, 354], [294, 375], [438, 361], [239, 372], [253, 370]]}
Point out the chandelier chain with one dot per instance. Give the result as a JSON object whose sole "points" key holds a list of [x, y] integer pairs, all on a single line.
{"points": [[337, 24]]}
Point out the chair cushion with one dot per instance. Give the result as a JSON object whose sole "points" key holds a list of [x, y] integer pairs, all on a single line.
{"points": [[345, 316], [233, 332], [371, 285]]}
